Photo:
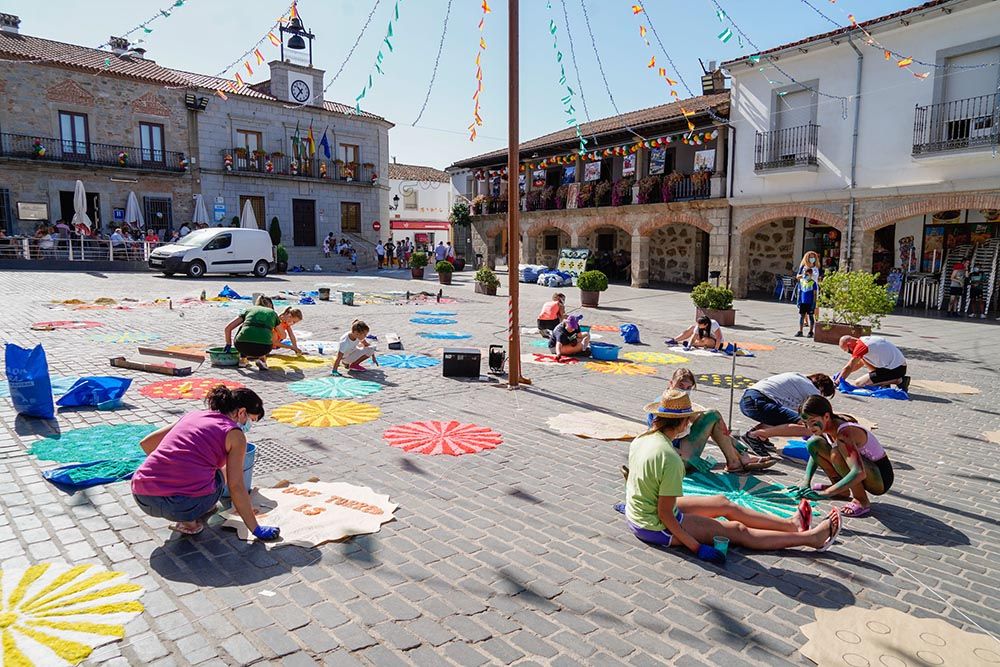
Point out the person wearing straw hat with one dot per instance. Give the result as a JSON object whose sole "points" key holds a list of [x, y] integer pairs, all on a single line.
{"points": [[657, 512]]}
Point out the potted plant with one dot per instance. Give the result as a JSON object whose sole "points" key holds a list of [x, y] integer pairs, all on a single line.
{"points": [[602, 193], [585, 197], [851, 303], [281, 258], [479, 204], [622, 192], [418, 261], [486, 281], [533, 200], [235, 222], [649, 188], [591, 284], [444, 269], [240, 152], [714, 302], [274, 231], [548, 198], [561, 193]]}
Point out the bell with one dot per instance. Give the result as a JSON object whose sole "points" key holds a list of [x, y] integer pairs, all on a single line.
{"points": [[296, 42]]}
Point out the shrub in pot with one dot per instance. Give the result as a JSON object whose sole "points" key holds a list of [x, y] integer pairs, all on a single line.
{"points": [[486, 281], [591, 284], [622, 192], [851, 303], [418, 261], [274, 231], [444, 269], [714, 302], [281, 258]]}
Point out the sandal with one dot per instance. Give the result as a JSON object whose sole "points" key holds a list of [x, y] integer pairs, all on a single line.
{"points": [[180, 528], [835, 526], [806, 514], [855, 510]]}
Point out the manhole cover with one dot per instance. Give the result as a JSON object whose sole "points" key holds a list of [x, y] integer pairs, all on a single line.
{"points": [[272, 457]]}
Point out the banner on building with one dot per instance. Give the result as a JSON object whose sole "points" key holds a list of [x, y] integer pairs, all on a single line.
{"points": [[568, 175], [592, 171], [573, 261], [657, 160], [628, 165], [572, 195], [538, 178], [704, 160]]}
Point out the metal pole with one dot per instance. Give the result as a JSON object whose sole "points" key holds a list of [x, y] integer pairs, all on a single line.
{"points": [[513, 199], [732, 388]]}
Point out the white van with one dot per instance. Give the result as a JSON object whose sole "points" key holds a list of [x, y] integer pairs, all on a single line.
{"points": [[216, 250]]}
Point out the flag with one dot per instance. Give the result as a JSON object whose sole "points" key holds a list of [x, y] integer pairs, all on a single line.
{"points": [[246, 63], [670, 81], [636, 9], [239, 79], [725, 35], [486, 8], [904, 62], [652, 62], [293, 12], [324, 143], [296, 140], [274, 39], [888, 55], [260, 56], [312, 141], [642, 31], [222, 95], [921, 75]]}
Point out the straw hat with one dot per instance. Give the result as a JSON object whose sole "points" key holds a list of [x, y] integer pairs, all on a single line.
{"points": [[673, 403]]}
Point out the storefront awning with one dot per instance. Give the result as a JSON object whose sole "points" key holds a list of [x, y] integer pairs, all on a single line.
{"points": [[419, 224]]}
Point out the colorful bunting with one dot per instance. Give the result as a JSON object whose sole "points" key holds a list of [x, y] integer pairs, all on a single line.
{"points": [[274, 39], [662, 71], [259, 56], [904, 62], [249, 69], [567, 99], [379, 58], [477, 120], [253, 50], [725, 35]]}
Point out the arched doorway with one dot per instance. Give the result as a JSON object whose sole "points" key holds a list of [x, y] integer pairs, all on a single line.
{"points": [[678, 255], [610, 251], [548, 242]]}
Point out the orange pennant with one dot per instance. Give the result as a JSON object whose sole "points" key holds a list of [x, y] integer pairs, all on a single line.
{"points": [[888, 55], [670, 81], [274, 40], [239, 79], [486, 8], [246, 63], [222, 95], [652, 62], [642, 31], [850, 17], [636, 9], [921, 75], [662, 72], [905, 62]]}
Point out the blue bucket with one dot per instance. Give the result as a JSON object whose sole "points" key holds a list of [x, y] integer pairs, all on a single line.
{"points": [[247, 469], [604, 351]]}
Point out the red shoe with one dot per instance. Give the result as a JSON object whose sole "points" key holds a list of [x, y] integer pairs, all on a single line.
{"points": [[357, 367]]}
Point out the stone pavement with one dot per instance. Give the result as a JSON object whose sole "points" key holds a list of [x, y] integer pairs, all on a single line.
{"points": [[511, 556]]}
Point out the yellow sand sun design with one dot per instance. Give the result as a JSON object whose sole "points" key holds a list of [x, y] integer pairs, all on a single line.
{"points": [[285, 361], [322, 413], [57, 614], [619, 368], [655, 357]]}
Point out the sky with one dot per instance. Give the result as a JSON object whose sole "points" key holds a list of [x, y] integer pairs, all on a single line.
{"points": [[207, 35]]}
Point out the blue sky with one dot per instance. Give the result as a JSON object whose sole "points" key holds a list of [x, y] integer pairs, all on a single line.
{"points": [[206, 35]]}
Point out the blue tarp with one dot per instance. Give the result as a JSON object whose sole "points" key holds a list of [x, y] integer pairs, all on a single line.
{"points": [[229, 293], [72, 478], [630, 333], [844, 387], [95, 390]]}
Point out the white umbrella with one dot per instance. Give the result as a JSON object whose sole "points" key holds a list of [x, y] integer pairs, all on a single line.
{"points": [[248, 220], [80, 206], [133, 214], [200, 212]]}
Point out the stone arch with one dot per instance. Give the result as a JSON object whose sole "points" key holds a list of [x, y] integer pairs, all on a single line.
{"points": [[494, 228], [930, 205], [543, 225], [771, 214], [675, 218], [597, 222]]}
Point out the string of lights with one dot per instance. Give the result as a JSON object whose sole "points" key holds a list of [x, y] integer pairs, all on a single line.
{"points": [[600, 66], [437, 60]]}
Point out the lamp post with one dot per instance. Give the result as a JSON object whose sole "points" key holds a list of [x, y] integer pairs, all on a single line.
{"points": [[513, 197], [395, 203]]}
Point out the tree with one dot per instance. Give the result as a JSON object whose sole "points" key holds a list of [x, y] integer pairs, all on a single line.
{"points": [[275, 231]]}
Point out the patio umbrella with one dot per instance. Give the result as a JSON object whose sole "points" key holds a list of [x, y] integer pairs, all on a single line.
{"points": [[133, 214], [248, 220], [80, 206], [200, 212]]}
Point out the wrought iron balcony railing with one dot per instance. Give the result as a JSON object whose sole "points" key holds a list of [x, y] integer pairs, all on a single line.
{"points": [[955, 125], [789, 147], [279, 164], [47, 149]]}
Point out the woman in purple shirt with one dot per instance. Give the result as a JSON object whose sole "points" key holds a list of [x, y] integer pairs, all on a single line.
{"points": [[188, 463]]}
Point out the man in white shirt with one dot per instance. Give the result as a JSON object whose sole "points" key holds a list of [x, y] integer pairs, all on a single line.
{"points": [[380, 253], [885, 363], [184, 230]]}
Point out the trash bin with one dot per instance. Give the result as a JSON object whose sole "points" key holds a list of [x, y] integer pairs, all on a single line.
{"points": [[347, 298], [324, 293]]}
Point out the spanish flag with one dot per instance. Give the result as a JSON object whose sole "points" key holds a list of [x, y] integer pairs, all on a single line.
{"points": [[260, 56], [311, 140], [274, 39], [293, 12]]}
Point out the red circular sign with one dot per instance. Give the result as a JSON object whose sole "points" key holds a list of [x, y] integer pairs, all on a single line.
{"points": [[376, 225]]}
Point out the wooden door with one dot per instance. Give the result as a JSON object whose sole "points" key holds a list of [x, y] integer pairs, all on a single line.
{"points": [[257, 204], [304, 222]]}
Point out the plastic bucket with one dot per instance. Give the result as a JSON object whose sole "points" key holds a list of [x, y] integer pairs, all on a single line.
{"points": [[604, 351], [247, 469], [220, 357], [324, 293], [347, 298], [585, 328]]}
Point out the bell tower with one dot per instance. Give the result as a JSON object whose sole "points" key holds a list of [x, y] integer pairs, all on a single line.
{"points": [[293, 78]]}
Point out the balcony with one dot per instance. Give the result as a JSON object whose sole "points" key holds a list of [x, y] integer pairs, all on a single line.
{"points": [[260, 163], [789, 148], [46, 149], [957, 125]]}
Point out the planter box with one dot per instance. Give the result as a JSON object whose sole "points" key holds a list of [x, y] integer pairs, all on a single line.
{"points": [[459, 263], [490, 290], [725, 318], [417, 274], [589, 299], [444, 278], [833, 334]]}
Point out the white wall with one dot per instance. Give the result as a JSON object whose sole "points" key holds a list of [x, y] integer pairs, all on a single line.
{"points": [[889, 97], [434, 201]]}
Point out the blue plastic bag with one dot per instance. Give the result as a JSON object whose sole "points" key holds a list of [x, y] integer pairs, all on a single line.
{"points": [[630, 333], [229, 293], [77, 476], [844, 387], [29, 382], [95, 391]]}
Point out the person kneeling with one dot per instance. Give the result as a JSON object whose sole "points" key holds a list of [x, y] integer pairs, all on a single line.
{"points": [[705, 334], [657, 512], [353, 348], [188, 463], [567, 339]]}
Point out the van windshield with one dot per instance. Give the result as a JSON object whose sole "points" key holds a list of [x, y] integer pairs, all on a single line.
{"points": [[198, 237]]}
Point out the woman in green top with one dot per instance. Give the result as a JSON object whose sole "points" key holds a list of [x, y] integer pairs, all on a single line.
{"points": [[657, 511], [254, 338]]}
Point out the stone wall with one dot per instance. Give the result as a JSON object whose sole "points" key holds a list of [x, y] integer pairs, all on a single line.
{"points": [[675, 255], [549, 258], [768, 253]]}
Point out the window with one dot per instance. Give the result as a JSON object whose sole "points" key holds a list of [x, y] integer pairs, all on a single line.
{"points": [[249, 140], [151, 141], [350, 153], [73, 132], [350, 217], [552, 242], [220, 242], [410, 199]]}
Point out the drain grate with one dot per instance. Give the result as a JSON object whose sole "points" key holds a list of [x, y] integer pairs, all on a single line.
{"points": [[272, 457]]}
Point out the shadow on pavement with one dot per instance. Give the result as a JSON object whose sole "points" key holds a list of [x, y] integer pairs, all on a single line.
{"points": [[409, 466], [35, 426], [232, 563], [911, 527], [918, 354]]}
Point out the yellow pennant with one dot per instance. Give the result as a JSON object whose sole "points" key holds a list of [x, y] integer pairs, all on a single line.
{"points": [[482, 43], [486, 8], [636, 9], [652, 62], [905, 62]]}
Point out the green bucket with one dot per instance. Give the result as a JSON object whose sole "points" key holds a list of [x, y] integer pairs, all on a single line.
{"points": [[347, 298], [219, 356]]}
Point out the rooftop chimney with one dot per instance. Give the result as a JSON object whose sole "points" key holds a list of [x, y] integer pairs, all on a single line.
{"points": [[139, 52], [119, 45], [9, 23]]}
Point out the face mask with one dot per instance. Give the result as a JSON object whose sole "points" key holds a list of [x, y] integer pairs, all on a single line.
{"points": [[812, 260], [245, 426], [684, 433]]}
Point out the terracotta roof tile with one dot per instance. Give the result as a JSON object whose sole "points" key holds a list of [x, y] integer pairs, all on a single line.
{"points": [[413, 172], [636, 119]]}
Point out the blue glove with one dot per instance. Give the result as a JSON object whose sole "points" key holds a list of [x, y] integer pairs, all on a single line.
{"points": [[228, 349], [711, 554], [266, 533]]}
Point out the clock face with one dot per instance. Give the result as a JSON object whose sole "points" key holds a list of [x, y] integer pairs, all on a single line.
{"points": [[300, 90]]}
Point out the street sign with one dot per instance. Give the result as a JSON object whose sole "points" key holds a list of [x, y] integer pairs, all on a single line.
{"points": [[219, 212], [376, 225]]}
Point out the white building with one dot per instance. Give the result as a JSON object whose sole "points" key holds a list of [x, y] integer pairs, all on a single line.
{"points": [[420, 201], [845, 148]]}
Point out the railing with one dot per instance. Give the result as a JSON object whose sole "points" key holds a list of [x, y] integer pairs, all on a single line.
{"points": [[45, 149], [75, 250], [279, 164], [790, 147], [691, 189], [955, 125]]}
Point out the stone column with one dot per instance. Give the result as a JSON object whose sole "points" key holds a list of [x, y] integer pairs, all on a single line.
{"points": [[574, 238], [529, 249], [640, 260]]}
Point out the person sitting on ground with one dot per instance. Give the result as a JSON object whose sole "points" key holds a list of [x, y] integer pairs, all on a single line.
{"points": [[709, 424], [657, 512], [254, 339], [706, 334], [848, 453], [885, 363], [553, 312], [807, 303], [289, 317], [353, 348], [188, 463], [567, 339], [774, 404]]}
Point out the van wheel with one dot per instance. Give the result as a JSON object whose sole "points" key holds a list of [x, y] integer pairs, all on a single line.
{"points": [[196, 269], [260, 269]]}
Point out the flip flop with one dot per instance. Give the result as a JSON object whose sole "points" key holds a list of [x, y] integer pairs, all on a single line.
{"points": [[854, 510], [805, 515], [187, 531], [835, 526], [761, 463]]}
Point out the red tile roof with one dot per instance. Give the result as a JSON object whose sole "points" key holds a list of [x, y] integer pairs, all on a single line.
{"points": [[97, 61], [867, 25], [413, 172], [635, 119]]}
